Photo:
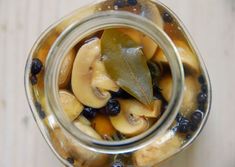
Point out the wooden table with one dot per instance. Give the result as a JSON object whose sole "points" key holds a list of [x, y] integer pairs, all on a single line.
{"points": [[210, 22]]}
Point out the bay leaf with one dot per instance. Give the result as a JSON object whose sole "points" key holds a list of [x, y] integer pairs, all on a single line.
{"points": [[126, 64]]}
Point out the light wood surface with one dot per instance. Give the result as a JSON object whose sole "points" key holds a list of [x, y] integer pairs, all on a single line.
{"points": [[212, 25]]}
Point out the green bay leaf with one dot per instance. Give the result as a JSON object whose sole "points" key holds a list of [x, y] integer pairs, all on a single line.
{"points": [[126, 64]]}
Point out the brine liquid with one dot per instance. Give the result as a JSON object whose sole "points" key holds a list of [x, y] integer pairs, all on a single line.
{"points": [[103, 126]]}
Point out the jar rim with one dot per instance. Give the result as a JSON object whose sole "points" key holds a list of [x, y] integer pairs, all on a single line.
{"points": [[80, 29]]}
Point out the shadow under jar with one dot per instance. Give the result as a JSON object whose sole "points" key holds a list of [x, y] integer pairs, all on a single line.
{"points": [[84, 132]]}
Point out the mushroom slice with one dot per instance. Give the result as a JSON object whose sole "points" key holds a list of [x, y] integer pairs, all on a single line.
{"points": [[83, 156], [134, 106], [151, 12], [100, 78], [129, 122], [188, 59], [191, 91], [67, 146], [162, 148], [88, 130], [149, 46], [60, 142], [71, 106], [82, 76], [66, 69], [83, 120]]}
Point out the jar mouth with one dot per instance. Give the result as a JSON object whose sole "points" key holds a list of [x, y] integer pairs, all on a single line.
{"points": [[79, 30]]}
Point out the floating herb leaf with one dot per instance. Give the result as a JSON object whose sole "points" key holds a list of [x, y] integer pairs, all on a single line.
{"points": [[126, 64]]}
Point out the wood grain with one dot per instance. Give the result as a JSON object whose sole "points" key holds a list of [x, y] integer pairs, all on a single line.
{"points": [[212, 25]]}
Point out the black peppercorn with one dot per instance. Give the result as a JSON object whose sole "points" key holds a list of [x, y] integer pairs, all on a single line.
{"points": [[36, 66], [167, 17], [89, 112], [201, 79], [202, 98], [113, 107], [70, 160], [41, 113], [132, 2], [33, 79], [196, 117]]}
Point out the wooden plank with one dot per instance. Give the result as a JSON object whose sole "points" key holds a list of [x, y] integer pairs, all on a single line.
{"points": [[2, 73]]}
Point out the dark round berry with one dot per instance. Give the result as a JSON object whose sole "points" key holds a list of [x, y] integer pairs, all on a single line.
{"points": [[70, 160], [201, 79], [121, 94], [117, 163], [41, 113], [36, 66], [193, 127], [89, 112], [184, 126], [202, 98], [38, 105], [33, 79], [196, 117], [132, 2], [167, 17], [204, 88], [120, 3], [113, 107]]}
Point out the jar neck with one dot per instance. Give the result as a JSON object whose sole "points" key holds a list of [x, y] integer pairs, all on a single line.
{"points": [[79, 30]]}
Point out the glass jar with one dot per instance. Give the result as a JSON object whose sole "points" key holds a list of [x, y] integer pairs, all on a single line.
{"points": [[189, 102]]}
